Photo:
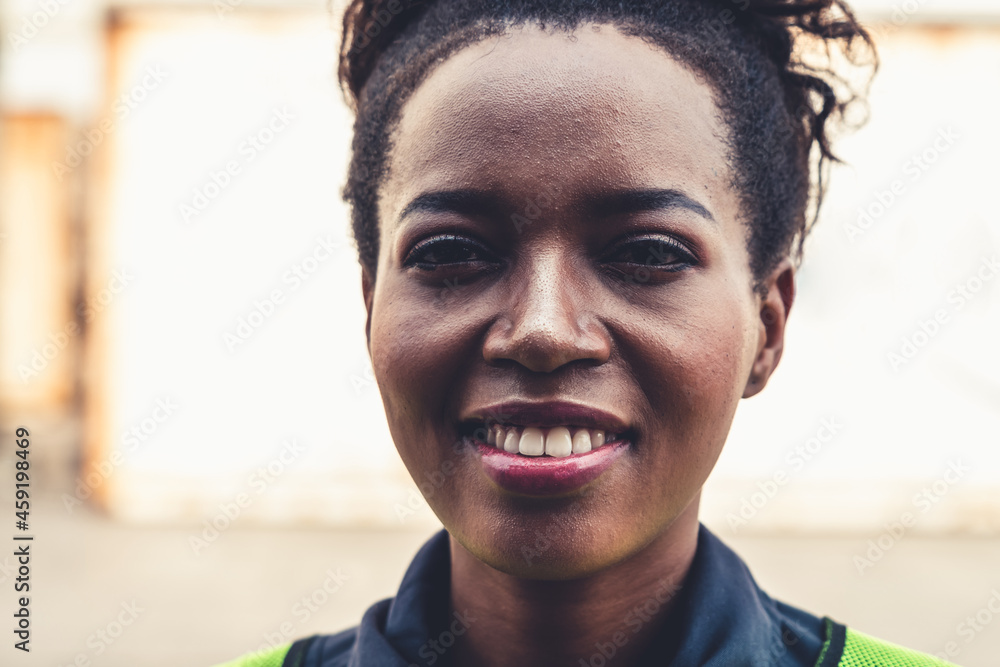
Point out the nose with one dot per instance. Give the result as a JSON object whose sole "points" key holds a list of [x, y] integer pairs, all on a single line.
{"points": [[549, 320]]}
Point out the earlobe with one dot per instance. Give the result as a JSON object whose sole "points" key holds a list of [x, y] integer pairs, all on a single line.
{"points": [[774, 310]]}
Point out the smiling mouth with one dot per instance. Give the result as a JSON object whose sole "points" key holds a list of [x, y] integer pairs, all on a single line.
{"points": [[557, 441]]}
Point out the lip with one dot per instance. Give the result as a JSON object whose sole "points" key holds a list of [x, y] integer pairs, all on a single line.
{"points": [[549, 414], [547, 475]]}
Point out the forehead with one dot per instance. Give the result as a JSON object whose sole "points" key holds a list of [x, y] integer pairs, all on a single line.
{"points": [[593, 110]]}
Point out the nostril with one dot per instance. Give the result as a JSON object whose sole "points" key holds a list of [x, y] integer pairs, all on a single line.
{"points": [[544, 348]]}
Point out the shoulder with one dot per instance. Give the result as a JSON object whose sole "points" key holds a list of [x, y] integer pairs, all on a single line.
{"points": [[274, 657], [314, 651], [847, 647]]}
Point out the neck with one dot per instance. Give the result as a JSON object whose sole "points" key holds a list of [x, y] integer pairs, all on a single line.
{"points": [[528, 623]]}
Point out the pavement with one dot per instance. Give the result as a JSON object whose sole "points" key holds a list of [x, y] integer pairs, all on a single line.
{"points": [[114, 595]]}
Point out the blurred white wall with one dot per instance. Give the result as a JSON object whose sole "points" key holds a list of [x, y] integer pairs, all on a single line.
{"points": [[227, 324], [895, 327], [242, 311]]}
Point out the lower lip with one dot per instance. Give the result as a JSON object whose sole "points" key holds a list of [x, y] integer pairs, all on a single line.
{"points": [[547, 475]]}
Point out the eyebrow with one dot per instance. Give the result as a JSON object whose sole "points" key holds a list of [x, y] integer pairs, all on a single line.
{"points": [[472, 202], [463, 202], [653, 199]]}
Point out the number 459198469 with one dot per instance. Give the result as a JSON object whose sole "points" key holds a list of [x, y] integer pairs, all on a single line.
{"points": [[21, 476]]}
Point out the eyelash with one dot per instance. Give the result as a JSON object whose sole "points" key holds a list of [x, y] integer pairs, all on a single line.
{"points": [[445, 243], [656, 247]]}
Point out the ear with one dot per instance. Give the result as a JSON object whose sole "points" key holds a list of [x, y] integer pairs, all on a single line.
{"points": [[774, 309], [367, 293]]}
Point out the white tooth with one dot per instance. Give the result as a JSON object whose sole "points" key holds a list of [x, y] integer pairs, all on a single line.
{"points": [[558, 442], [581, 441], [532, 442], [498, 436], [511, 440], [491, 436], [596, 439]]}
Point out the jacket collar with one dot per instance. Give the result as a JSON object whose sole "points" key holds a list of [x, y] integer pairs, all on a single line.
{"points": [[723, 619]]}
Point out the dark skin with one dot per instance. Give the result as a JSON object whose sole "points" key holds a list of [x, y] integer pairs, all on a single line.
{"points": [[630, 290]]}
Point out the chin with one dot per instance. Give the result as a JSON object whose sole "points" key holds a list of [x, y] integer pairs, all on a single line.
{"points": [[561, 539]]}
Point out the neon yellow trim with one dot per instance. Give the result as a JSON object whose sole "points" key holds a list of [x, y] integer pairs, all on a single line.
{"points": [[861, 650], [270, 658]]}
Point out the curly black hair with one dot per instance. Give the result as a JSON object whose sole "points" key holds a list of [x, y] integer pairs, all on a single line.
{"points": [[780, 101]]}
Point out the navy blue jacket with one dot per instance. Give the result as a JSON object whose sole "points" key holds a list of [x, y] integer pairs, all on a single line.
{"points": [[721, 619]]}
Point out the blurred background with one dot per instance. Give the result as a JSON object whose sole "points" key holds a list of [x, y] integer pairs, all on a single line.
{"points": [[182, 333]]}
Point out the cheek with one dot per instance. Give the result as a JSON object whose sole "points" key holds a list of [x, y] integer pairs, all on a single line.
{"points": [[422, 350], [722, 357], [701, 359], [418, 348], [718, 358]]}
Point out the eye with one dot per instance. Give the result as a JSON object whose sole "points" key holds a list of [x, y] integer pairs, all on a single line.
{"points": [[447, 250], [655, 252]]}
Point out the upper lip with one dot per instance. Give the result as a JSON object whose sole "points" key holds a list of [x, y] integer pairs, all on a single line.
{"points": [[548, 414]]}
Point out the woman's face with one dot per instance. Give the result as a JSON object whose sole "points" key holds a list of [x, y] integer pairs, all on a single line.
{"points": [[562, 254]]}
